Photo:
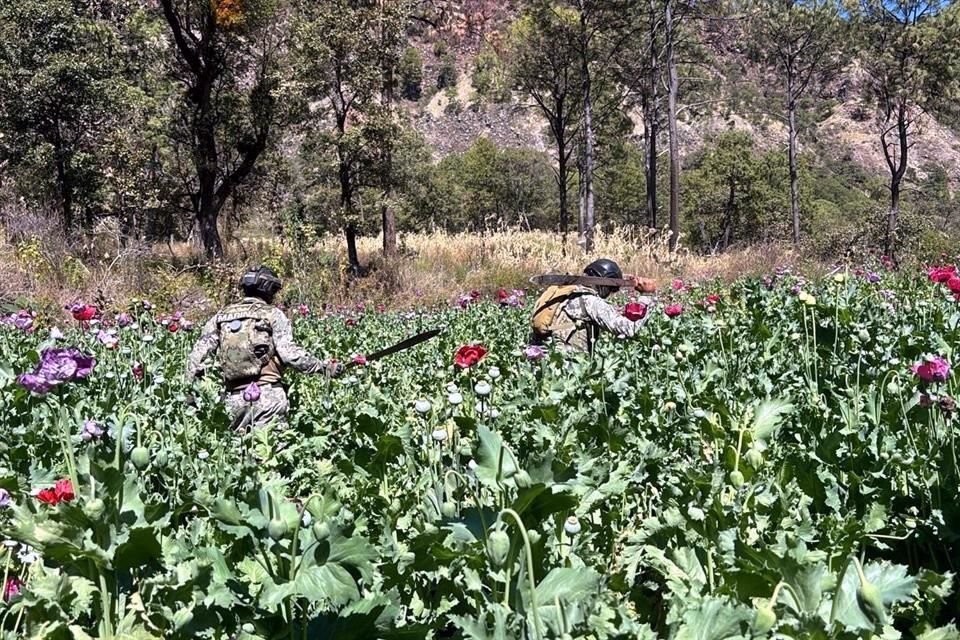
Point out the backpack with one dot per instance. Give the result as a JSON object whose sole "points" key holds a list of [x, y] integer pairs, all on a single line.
{"points": [[246, 341], [547, 307]]}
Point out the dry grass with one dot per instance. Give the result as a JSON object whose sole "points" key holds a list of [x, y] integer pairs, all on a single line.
{"points": [[432, 267]]}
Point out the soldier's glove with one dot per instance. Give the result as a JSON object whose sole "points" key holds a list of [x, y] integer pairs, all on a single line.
{"points": [[333, 369], [643, 285]]}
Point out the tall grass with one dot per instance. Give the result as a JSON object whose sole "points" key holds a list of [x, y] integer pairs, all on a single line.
{"points": [[431, 267]]}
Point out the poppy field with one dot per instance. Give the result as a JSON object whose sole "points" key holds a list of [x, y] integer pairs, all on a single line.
{"points": [[770, 458]]}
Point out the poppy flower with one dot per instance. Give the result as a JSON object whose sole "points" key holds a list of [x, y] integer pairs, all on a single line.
{"points": [[91, 431], [673, 310], [173, 327], [124, 320], [138, 371], [678, 285], [713, 299], [933, 369], [12, 588], [64, 489], [106, 339], [359, 360], [635, 311], [954, 284], [48, 496], [57, 366], [469, 355], [942, 274], [534, 352], [251, 393], [303, 310], [83, 312]]}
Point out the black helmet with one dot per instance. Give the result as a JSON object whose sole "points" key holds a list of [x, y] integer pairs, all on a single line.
{"points": [[604, 268], [260, 282]]}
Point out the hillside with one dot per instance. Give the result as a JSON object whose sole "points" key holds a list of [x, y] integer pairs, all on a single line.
{"points": [[847, 132]]}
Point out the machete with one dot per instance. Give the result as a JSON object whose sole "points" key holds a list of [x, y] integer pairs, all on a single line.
{"points": [[562, 279], [400, 346]]}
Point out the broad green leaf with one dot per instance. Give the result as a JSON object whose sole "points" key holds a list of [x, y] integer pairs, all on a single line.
{"points": [[767, 417], [891, 581], [712, 619]]}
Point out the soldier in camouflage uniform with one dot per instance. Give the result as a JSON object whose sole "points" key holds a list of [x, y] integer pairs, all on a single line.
{"points": [[572, 317], [254, 343]]}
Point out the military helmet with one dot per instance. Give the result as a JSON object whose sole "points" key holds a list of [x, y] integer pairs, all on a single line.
{"points": [[260, 281], [604, 268]]}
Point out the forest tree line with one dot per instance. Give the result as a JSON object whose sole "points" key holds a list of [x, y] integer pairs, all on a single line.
{"points": [[168, 116]]}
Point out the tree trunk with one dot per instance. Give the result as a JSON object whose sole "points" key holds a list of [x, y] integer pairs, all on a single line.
{"points": [[353, 261], [651, 111], [389, 222], [588, 142], [674, 84], [581, 203], [898, 166], [792, 158], [563, 171]]}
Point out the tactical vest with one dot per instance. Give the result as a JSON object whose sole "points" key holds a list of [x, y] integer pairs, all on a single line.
{"points": [[247, 351], [547, 319]]}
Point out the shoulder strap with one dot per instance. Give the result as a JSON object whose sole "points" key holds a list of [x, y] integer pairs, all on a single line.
{"points": [[562, 295]]}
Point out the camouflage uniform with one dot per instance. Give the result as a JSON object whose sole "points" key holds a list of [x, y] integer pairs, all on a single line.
{"points": [[580, 319], [272, 406]]}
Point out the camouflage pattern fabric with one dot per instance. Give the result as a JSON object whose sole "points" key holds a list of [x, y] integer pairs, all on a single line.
{"points": [[287, 351], [261, 427], [581, 319]]}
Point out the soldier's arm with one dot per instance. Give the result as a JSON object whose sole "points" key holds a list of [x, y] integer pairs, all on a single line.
{"points": [[607, 316], [289, 352], [208, 343]]}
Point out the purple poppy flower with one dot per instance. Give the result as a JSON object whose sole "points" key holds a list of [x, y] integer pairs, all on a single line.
{"points": [[124, 320], [5, 499], [872, 277], [91, 431], [57, 365], [534, 352], [251, 393], [35, 383], [106, 339]]}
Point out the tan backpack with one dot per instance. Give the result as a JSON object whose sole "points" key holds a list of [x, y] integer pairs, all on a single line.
{"points": [[547, 307], [246, 341]]}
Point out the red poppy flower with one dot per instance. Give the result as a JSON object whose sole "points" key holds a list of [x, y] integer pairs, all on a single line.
{"points": [[475, 295], [359, 360], [678, 285], [502, 295], [713, 299], [942, 274], [83, 312], [173, 327], [954, 284], [635, 311], [673, 310], [64, 490], [138, 371], [469, 355], [48, 496]]}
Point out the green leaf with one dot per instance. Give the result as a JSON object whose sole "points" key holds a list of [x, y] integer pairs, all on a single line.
{"points": [[566, 584], [712, 619], [891, 581], [327, 584], [767, 417]]}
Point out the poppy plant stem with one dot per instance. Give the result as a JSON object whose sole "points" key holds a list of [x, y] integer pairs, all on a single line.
{"points": [[531, 577]]}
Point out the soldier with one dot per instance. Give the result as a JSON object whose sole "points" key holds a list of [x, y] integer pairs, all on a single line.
{"points": [[572, 316], [254, 342]]}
